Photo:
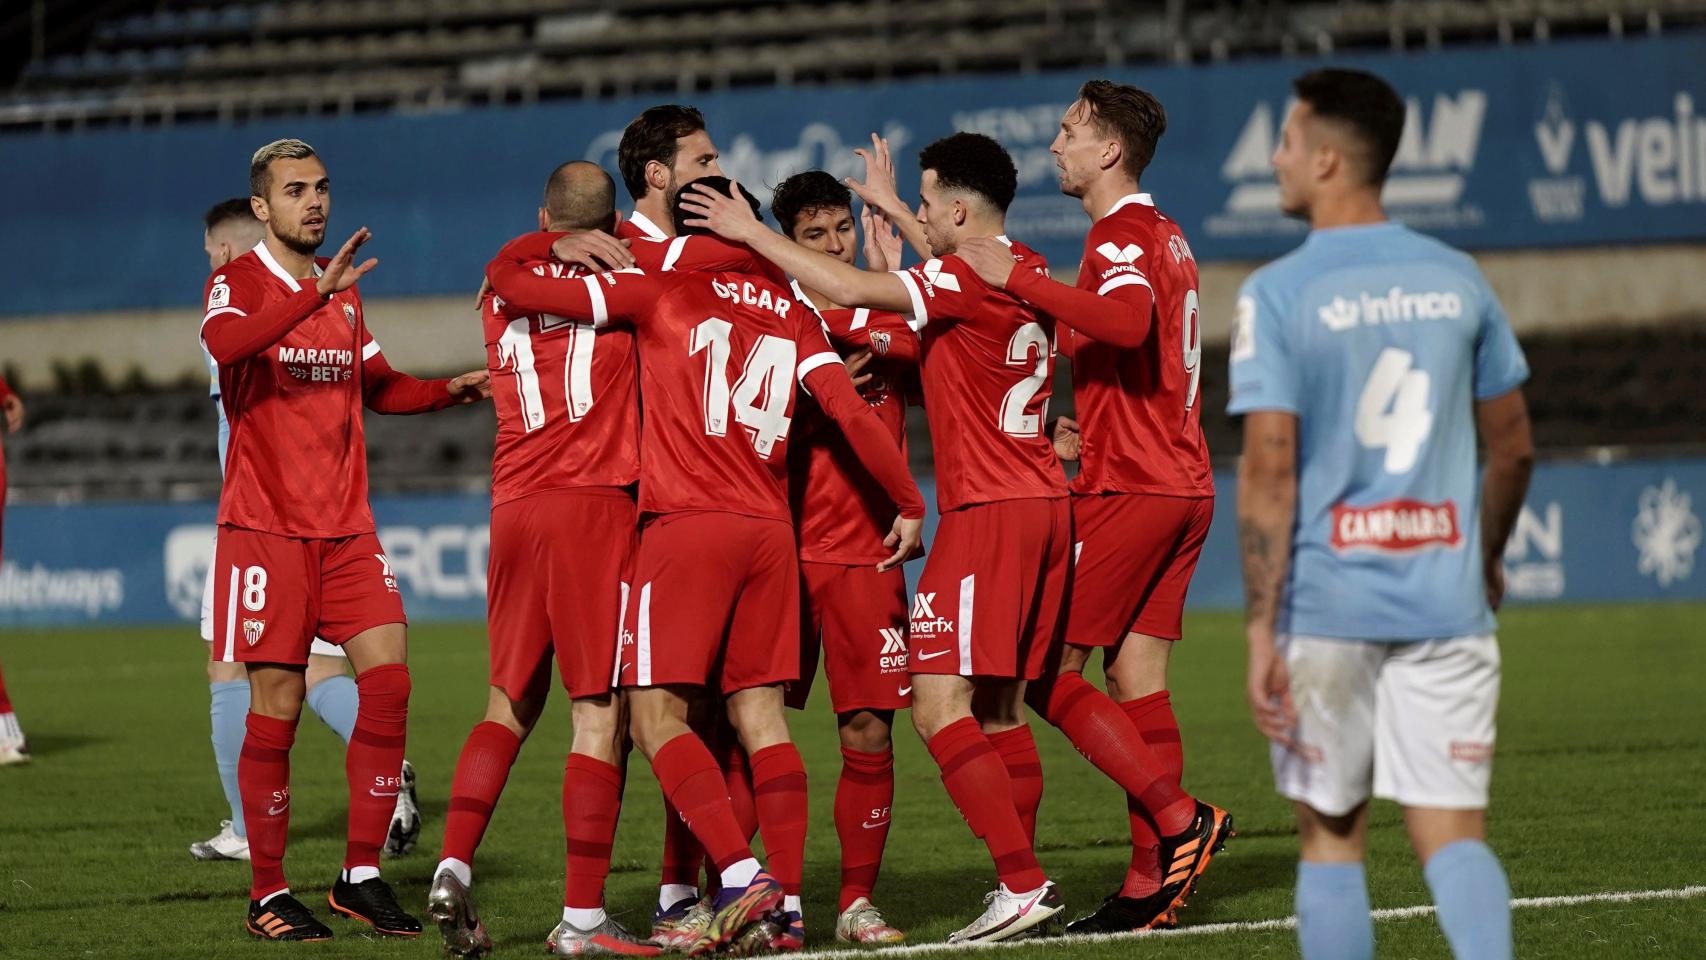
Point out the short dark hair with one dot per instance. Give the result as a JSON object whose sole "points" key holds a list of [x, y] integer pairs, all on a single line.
{"points": [[972, 162], [226, 210], [1132, 116], [1364, 104], [260, 165], [652, 136], [679, 214], [804, 193], [580, 196]]}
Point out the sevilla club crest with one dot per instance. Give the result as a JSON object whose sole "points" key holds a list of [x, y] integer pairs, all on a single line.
{"points": [[252, 630]]}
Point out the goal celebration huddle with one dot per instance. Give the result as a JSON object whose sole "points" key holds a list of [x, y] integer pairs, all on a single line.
{"points": [[701, 492]]}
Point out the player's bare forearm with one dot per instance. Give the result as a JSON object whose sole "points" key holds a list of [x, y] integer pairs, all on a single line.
{"points": [[1504, 427], [842, 283], [1267, 512]]}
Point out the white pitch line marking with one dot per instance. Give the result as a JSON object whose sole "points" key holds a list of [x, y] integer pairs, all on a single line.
{"points": [[1244, 926]]}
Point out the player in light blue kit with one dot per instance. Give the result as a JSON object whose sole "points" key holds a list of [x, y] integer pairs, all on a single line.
{"points": [[231, 230], [1363, 363]]}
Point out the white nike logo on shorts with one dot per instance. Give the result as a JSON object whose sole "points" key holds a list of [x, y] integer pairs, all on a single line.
{"points": [[932, 656], [375, 793], [872, 826]]}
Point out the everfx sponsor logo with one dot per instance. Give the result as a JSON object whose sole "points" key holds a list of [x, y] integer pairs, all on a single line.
{"points": [[925, 621]]}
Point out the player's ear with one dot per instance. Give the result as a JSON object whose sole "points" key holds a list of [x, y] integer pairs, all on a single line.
{"points": [[258, 207], [657, 175], [1112, 153], [544, 220]]}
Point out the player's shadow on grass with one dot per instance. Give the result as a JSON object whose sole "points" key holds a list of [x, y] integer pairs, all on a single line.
{"points": [[44, 747]]}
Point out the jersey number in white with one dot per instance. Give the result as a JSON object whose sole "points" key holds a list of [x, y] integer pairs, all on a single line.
{"points": [[1192, 323], [254, 589], [1014, 420], [759, 398], [515, 351], [1392, 413]]}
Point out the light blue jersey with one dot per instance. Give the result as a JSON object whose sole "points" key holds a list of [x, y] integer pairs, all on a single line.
{"points": [[1380, 340], [213, 391]]}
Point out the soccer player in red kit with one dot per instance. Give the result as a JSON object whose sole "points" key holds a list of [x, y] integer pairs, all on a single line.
{"points": [[1144, 494], [850, 611], [563, 472], [13, 748], [297, 556], [983, 620], [661, 150], [714, 593]]}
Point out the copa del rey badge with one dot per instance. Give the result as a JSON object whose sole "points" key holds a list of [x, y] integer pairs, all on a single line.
{"points": [[252, 630], [349, 315]]}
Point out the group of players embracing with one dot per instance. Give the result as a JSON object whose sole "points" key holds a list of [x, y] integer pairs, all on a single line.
{"points": [[687, 568]]}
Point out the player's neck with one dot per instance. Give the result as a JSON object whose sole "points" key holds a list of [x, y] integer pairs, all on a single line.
{"points": [[298, 265], [1106, 192], [993, 226], [652, 207], [818, 299], [1346, 210]]}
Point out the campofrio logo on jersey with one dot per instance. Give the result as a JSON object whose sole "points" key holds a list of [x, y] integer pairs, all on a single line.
{"points": [[1436, 154], [1396, 526], [1651, 158]]}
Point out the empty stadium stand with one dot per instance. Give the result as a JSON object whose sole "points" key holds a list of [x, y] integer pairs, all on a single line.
{"points": [[1600, 392], [170, 61]]}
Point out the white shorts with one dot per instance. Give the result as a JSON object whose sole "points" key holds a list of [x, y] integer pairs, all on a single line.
{"points": [[318, 648], [1413, 721]]}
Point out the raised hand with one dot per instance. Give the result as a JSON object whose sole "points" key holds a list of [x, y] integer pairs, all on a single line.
{"points": [[339, 274], [878, 189], [725, 216], [882, 242], [471, 387], [989, 257], [593, 250]]}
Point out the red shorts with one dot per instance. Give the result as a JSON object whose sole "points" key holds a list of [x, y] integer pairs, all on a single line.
{"points": [[989, 600], [715, 600], [1134, 559], [858, 618], [554, 584], [273, 595]]}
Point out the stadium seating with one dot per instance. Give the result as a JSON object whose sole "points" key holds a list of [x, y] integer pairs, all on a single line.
{"points": [[1610, 388], [193, 59]]}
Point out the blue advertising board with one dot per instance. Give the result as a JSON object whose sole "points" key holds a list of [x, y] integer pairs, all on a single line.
{"points": [[1579, 142], [1615, 532]]}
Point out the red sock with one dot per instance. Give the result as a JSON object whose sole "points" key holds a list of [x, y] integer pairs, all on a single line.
{"points": [[592, 797], [864, 797], [694, 785], [779, 792], [374, 761], [481, 772], [682, 853], [1025, 769], [5, 701], [1106, 736], [738, 779], [978, 783], [1156, 725], [263, 780]]}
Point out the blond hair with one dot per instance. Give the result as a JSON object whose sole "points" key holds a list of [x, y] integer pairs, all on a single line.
{"points": [[260, 173]]}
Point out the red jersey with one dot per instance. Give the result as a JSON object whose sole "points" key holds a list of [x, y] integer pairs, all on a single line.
{"points": [[294, 372], [1138, 407], [841, 513], [987, 368], [638, 226], [567, 392], [719, 356]]}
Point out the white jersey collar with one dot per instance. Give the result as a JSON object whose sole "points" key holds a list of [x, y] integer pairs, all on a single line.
{"points": [[278, 271], [646, 225], [1129, 198]]}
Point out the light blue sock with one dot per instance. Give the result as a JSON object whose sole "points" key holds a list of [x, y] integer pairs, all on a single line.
{"points": [[1332, 912], [1473, 898], [335, 701], [228, 708]]}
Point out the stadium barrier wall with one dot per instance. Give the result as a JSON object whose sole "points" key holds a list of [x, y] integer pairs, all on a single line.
{"points": [[1623, 531], [1571, 143]]}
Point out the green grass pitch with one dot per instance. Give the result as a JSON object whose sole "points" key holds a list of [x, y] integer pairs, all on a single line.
{"points": [[1600, 785]]}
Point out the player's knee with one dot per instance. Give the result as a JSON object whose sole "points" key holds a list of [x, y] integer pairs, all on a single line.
{"points": [[1139, 668], [866, 731], [599, 728]]}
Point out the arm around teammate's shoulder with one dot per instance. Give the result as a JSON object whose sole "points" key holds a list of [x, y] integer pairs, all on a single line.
{"points": [[529, 286]]}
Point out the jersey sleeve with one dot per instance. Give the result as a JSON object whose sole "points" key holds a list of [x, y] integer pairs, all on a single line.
{"points": [[1500, 366], [942, 290], [527, 286], [239, 322], [1262, 372], [814, 347]]}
